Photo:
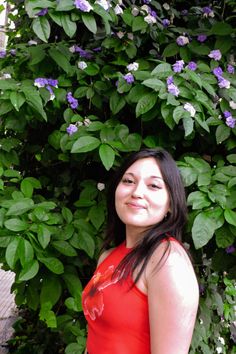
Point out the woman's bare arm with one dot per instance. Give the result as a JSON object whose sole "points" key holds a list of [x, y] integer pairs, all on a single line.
{"points": [[173, 296]]}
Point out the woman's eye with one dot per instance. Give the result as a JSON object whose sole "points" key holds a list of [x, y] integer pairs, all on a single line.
{"points": [[127, 181], [154, 186]]}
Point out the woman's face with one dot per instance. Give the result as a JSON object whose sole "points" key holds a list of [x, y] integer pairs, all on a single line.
{"points": [[141, 197]]}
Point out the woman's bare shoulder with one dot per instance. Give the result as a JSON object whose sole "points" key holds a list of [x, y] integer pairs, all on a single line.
{"points": [[104, 255]]}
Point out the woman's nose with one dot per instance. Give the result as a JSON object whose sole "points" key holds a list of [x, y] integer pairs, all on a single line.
{"points": [[138, 191]]}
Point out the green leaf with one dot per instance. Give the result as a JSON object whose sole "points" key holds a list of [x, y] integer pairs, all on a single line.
{"points": [[26, 252], [60, 59], [65, 5], [188, 174], [53, 264], [138, 24], [73, 283], [89, 21], [41, 28], [37, 54], [221, 29], [8, 84], [34, 100], [97, 216], [146, 103], [26, 188], [162, 70], [17, 99], [154, 83], [20, 207], [198, 200], [16, 225], [29, 271], [51, 289], [194, 77], [180, 113], [203, 230], [200, 165], [5, 107], [230, 216], [44, 235], [224, 44], [170, 50], [85, 144], [12, 252], [67, 214], [64, 248], [224, 237], [68, 25], [86, 243], [107, 155], [222, 133], [117, 102], [188, 126]]}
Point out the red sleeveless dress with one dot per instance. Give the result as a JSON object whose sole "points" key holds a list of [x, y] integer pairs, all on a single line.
{"points": [[117, 314]]}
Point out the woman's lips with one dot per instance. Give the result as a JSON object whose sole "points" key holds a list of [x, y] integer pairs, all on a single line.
{"points": [[135, 205]]}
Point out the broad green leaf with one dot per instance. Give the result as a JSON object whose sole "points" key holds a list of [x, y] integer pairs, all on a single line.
{"points": [[230, 216], [64, 248], [41, 28], [17, 99], [139, 24], [73, 283], [44, 235], [53, 264], [180, 113], [146, 103], [16, 225], [67, 214], [231, 158], [203, 230], [8, 84], [65, 5], [136, 93], [170, 50], [222, 133], [33, 98], [25, 251], [5, 107], [194, 77], [68, 25], [20, 207], [198, 200], [202, 122], [188, 174], [74, 304], [60, 59], [107, 155], [97, 216], [224, 237], [188, 126], [51, 289], [85, 144], [154, 83], [37, 54], [26, 188], [47, 315], [117, 102], [162, 70], [221, 29], [89, 21], [12, 254], [29, 271], [199, 164], [73, 348], [85, 242]]}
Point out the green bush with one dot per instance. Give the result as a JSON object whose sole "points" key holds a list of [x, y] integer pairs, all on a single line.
{"points": [[82, 86]]}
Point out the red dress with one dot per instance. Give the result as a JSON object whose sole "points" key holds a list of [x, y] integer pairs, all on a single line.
{"points": [[117, 314]]}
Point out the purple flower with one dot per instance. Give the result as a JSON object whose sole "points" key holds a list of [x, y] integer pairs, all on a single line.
{"points": [[72, 101], [218, 72], [223, 83], [192, 66], [153, 13], [42, 12], [3, 53], [170, 80], [71, 129], [129, 78], [230, 249], [227, 114], [147, 1], [165, 22], [207, 10], [40, 82], [52, 82], [201, 38], [230, 121], [182, 41], [178, 66], [230, 69], [184, 12], [98, 49], [215, 54], [83, 5], [82, 53], [12, 52], [173, 90]]}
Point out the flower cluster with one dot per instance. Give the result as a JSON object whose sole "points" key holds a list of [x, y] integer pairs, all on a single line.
{"points": [[230, 121], [83, 5], [215, 54], [82, 52], [222, 82], [171, 87], [73, 128], [47, 83], [182, 41], [129, 78], [208, 12], [178, 66], [72, 101]]}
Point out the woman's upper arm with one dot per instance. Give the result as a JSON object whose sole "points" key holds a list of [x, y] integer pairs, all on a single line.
{"points": [[173, 296]]}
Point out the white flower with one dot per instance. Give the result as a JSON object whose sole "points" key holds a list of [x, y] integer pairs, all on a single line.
{"points": [[100, 186], [130, 36], [31, 42], [232, 104], [150, 19], [87, 122], [72, 49], [7, 76], [103, 3], [118, 10], [52, 96], [145, 8], [219, 350], [135, 11], [221, 340], [120, 2], [120, 34], [166, 6], [200, 321], [133, 66], [188, 107], [82, 65]]}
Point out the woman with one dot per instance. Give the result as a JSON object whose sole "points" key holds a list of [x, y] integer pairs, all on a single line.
{"points": [[143, 297]]}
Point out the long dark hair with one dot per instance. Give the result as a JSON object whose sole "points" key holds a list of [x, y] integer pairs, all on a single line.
{"points": [[172, 224]]}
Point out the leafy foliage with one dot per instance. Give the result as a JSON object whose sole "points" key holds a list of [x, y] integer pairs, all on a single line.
{"points": [[137, 75]]}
